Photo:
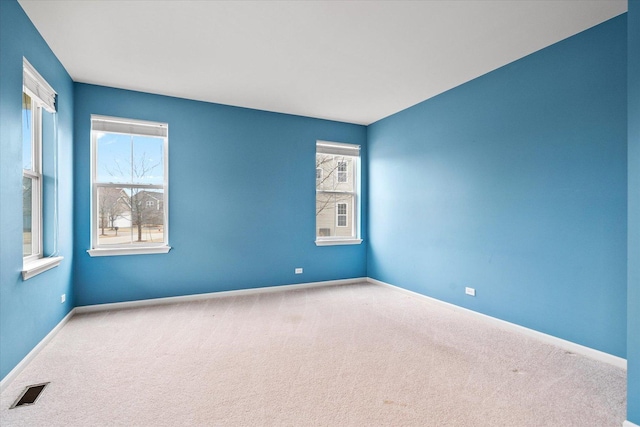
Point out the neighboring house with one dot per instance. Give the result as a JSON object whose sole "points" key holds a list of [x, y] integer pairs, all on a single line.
{"points": [[335, 195], [148, 208], [117, 208], [113, 209]]}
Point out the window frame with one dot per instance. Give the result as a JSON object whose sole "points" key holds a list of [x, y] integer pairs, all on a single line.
{"points": [[132, 127], [352, 154], [42, 97]]}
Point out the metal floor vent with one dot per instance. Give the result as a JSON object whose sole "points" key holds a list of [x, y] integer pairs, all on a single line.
{"points": [[30, 395]]}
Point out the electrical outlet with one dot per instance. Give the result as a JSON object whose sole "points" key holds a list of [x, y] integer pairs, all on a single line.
{"points": [[63, 298], [298, 270], [470, 291]]}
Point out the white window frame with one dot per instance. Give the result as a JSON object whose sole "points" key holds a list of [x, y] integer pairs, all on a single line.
{"points": [[42, 97], [137, 128], [351, 151]]}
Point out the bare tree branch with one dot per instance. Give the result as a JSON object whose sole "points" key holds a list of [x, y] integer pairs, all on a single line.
{"points": [[141, 212], [329, 165]]}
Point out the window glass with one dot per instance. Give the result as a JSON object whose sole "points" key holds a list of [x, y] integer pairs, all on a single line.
{"points": [[31, 178], [27, 208], [27, 132], [128, 216], [129, 159]]}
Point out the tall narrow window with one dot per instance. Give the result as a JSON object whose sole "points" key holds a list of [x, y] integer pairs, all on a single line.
{"points": [[342, 215], [343, 173], [337, 190], [38, 99], [31, 178], [129, 186]]}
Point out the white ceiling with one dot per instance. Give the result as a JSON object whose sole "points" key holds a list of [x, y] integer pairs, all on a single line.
{"points": [[352, 61]]}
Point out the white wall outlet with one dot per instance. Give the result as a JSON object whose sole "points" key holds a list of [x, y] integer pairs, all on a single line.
{"points": [[470, 291], [298, 270], [63, 298]]}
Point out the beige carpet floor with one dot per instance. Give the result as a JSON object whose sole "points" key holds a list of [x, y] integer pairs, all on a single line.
{"points": [[353, 355]]}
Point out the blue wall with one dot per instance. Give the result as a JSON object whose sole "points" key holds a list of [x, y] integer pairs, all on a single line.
{"points": [[514, 184], [633, 302], [241, 195], [30, 309]]}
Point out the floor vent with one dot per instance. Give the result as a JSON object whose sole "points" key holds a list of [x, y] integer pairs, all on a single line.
{"points": [[30, 395]]}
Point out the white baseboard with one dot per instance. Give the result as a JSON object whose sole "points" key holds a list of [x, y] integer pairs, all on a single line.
{"points": [[629, 424], [34, 352], [198, 297], [549, 339]]}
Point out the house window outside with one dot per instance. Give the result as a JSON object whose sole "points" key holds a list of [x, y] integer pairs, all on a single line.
{"points": [[337, 193], [343, 173], [342, 215], [324, 232], [38, 109], [129, 186]]}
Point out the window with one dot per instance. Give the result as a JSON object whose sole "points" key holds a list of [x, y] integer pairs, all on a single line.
{"points": [[337, 190], [38, 109], [129, 186], [324, 232], [342, 214], [342, 172]]}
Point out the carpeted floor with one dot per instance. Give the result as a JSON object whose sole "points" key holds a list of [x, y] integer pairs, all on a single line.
{"points": [[354, 355]]}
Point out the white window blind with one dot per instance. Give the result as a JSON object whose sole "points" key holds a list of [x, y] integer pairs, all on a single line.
{"points": [[341, 149], [128, 126], [38, 87]]}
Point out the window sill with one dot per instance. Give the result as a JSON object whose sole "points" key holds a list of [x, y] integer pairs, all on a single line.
{"points": [[40, 265], [149, 250], [335, 242]]}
